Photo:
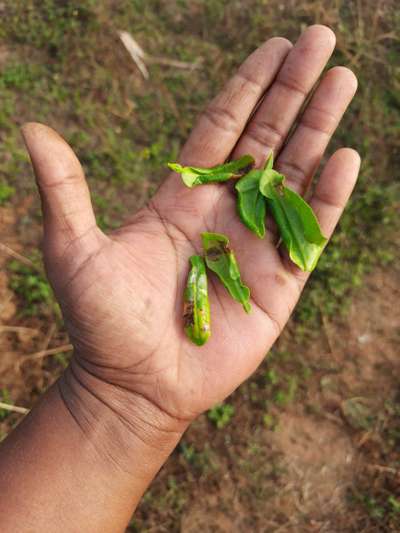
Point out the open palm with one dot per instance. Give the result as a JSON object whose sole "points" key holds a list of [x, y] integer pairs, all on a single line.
{"points": [[121, 294]]}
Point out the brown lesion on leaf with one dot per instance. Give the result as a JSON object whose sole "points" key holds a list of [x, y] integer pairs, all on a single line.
{"points": [[280, 189], [188, 314], [214, 253], [244, 171]]}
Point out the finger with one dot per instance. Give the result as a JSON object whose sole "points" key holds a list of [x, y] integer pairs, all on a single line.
{"points": [[334, 188], [271, 123], [67, 209], [222, 123], [300, 158]]}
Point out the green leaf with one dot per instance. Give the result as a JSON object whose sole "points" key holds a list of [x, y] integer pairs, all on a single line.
{"points": [[196, 313], [251, 203], [312, 231], [193, 176], [221, 260], [296, 220], [270, 161], [298, 227], [270, 179]]}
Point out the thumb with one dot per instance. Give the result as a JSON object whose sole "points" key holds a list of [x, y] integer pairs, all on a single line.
{"points": [[67, 209]]}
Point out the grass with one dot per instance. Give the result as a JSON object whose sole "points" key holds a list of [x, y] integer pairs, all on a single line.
{"points": [[64, 65], [6, 193], [31, 286], [221, 414]]}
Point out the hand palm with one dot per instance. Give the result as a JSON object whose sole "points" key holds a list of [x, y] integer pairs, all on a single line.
{"points": [[122, 295]]}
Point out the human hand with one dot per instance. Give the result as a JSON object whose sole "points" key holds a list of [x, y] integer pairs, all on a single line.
{"points": [[121, 294]]}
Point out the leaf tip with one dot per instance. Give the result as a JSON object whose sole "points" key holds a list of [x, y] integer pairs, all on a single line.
{"points": [[175, 167], [269, 163], [260, 232], [247, 159]]}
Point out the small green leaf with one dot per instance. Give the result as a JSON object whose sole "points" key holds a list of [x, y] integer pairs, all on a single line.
{"points": [[251, 203], [270, 179], [193, 176], [298, 227], [312, 231], [296, 220], [196, 312], [221, 260]]}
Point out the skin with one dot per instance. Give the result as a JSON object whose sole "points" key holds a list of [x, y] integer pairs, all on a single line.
{"points": [[84, 456]]}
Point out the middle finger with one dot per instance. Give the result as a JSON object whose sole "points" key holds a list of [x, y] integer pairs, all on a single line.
{"points": [[280, 107]]}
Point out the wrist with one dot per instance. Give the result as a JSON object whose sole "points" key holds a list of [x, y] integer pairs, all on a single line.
{"points": [[89, 450], [126, 429]]}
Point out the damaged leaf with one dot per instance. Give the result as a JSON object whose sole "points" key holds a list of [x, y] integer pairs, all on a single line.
{"points": [[221, 260], [193, 176], [296, 221], [196, 311]]}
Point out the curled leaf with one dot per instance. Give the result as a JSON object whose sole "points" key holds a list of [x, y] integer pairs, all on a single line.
{"points": [[221, 260], [251, 203], [193, 176], [196, 311]]}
